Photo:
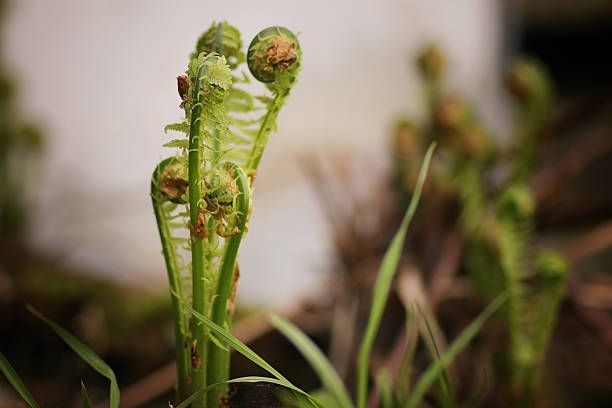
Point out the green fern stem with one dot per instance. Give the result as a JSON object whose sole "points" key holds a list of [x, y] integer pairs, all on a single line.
{"points": [[509, 254], [218, 360], [530, 84], [549, 307], [432, 95], [552, 269], [472, 196], [516, 208], [532, 123], [219, 39], [162, 208], [216, 134], [262, 135], [274, 58], [198, 330], [180, 326]]}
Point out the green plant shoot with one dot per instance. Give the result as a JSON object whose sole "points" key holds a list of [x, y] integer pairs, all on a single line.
{"points": [[202, 195]]}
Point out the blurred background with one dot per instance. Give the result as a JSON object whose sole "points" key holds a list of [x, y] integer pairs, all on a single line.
{"points": [[103, 88], [92, 84]]}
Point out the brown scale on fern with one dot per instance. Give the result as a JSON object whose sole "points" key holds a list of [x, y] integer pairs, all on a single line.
{"points": [[281, 53], [173, 185], [200, 228]]}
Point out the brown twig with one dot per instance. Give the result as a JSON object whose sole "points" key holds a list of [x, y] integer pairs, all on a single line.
{"points": [[596, 318], [589, 244], [551, 179], [443, 275], [342, 342]]}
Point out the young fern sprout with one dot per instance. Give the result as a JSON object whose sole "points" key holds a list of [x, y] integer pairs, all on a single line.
{"points": [[515, 210], [165, 196], [460, 130], [497, 216], [431, 64], [529, 83], [208, 185], [272, 51], [223, 39], [552, 268], [274, 58], [170, 178]]}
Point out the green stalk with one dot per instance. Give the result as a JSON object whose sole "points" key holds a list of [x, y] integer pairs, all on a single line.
{"points": [[216, 134], [534, 119], [531, 86], [432, 94], [549, 309], [262, 135], [510, 252], [182, 355], [198, 330], [382, 286], [552, 269], [218, 360]]}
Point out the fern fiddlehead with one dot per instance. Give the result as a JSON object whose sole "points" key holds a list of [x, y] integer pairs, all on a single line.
{"points": [[210, 179], [211, 78], [496, 214], [274, 58], [530, 85], [516, 207], [431, 64], [167, 188]]}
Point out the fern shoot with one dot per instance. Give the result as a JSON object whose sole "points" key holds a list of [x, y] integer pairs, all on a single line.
{"points": [[207, 185], [496, 209]]}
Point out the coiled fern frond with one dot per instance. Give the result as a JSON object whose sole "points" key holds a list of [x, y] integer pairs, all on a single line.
{"points": [[202, 194]]}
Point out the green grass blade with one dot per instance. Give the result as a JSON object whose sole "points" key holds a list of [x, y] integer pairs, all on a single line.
{"points": [[445, 389], [84, 396], [16, 382], [383, 283], [434, 370], [306, 400], [251, 379], [402, 387], [226, 337], [317, 360], [478, 397], [383, 380], [86, 354], [324, 397]]}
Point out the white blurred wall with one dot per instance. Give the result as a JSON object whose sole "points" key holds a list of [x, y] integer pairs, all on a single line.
{"points": [[100, 76]]}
